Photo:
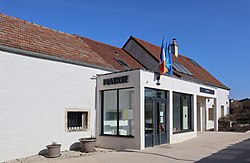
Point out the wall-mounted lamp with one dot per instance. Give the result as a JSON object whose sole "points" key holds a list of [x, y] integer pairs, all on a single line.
{"points": [[158, 79]]}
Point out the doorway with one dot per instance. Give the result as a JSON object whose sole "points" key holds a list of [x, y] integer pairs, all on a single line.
{"points": [[155, 117], [201, 113]]}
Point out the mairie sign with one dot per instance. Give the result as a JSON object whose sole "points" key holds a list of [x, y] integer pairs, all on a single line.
{"points": [[116, 80], [208, 91]]}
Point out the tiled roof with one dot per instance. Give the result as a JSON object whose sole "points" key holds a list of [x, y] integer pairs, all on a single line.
{"points": [[200, 74], [110, 53], [20, 34]]}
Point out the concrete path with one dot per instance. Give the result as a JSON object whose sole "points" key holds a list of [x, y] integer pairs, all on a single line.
{"points": [[190, 151], [207, 147]]}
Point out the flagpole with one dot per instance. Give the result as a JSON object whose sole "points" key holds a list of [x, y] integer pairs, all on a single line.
{"points": [[158, 75]]}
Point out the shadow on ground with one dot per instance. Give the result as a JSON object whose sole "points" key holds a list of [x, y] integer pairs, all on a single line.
{"points": [[43, 152], [239, 152], [75, 146], [156, 154]]}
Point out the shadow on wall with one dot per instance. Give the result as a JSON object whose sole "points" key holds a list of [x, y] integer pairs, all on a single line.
{"points": [[239, 152]]}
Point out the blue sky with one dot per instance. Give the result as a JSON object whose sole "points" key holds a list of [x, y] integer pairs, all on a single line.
{"points": [[215, 33]]}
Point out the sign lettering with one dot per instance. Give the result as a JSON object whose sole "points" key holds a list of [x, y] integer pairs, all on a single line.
{"points": [[116, 80], [208, 91]]}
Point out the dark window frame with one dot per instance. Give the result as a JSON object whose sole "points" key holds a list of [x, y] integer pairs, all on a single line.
{"points": [[190, 111], [211, 113], [84, 121], [122, 63], [117, 111], [222, 107]]}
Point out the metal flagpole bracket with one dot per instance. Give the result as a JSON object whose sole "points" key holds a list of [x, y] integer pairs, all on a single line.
{"points": [[158, 77]]}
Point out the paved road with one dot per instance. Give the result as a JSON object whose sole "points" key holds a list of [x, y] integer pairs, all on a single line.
{"points": [[207, 147]]}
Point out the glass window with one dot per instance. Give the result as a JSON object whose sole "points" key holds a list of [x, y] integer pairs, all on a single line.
{"points": [[211, 114], [118, 102], [149, 123], [155, 93], [110, 112], [150, 92], [181, 112], [77, 120], [185, 112], [177, 113], [222, 111], [126, 107]]}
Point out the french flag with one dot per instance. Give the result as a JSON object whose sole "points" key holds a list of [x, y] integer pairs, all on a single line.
{"points": [[162, 62], [169, 59]]}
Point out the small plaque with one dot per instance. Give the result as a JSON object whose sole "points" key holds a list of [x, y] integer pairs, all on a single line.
{"points": [[161, 120]]}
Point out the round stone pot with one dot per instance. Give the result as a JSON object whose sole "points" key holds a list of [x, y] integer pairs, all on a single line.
{"points": [[53, 150], [88, 144]]}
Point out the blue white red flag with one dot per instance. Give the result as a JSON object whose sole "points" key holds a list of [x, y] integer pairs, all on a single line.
{"points": [[169, 59], [162, 63]]}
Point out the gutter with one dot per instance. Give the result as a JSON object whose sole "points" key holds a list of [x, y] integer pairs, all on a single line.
{"points": [[51, 58]]}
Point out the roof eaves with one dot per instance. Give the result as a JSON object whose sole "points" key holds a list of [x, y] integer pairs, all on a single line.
{"points": [[52, 58]]}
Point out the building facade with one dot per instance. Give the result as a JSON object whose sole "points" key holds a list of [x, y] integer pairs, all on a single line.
{"points": [[143, 113], [58, 87], [39, 97]]}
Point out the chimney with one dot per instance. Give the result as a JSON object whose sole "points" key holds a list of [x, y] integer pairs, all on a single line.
{"points": [[174, 48]]}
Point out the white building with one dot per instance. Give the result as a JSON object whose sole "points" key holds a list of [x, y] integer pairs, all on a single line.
{"points": [[151, 114], [59, 87]]}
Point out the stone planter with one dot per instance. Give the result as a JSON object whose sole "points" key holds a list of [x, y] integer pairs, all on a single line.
{"points": [[53, 150], [88, 144]]}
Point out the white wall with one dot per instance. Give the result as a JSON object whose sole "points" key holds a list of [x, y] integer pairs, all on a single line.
{"points": [[201, 113], [139, 79], [34, 94], [172, 85], [223, 99], [209, 104], [113, 141]]}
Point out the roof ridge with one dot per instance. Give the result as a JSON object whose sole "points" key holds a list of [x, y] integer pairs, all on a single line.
{"points": [[144, 41], [32, 23], [99, 42], [152, 44], [54, 30]]}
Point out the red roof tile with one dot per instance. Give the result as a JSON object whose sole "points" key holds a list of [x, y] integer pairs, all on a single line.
{"points": [[28, 36], [200, 74], [24, 35], [109, 53]]}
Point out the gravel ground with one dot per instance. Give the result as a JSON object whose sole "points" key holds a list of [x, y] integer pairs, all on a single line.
{"points": [[64, 155]]}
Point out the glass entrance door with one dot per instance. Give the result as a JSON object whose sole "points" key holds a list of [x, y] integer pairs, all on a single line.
{"points": [[160, 134], [156, 119], [149, 124]]}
